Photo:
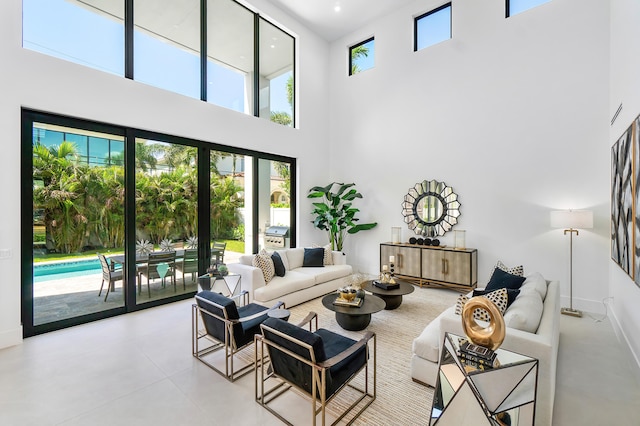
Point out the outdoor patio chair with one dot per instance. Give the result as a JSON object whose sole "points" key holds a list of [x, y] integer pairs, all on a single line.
{"points": [[226, 326], [217, 252], [109, 274], [188, 264], [317, 365], [159, 265]]}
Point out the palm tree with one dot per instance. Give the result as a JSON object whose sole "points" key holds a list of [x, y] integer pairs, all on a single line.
{"points": [[356, 53], [60, 196], [146, 156], [281, 117], [224, 206], [176, 155], [285, 173]]}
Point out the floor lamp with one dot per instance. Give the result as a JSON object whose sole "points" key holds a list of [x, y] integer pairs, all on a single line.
{"points": [[571, 221]]}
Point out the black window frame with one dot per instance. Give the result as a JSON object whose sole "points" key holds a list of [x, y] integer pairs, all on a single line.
{"points": [[372, 38], [129, 52], [507, 8], [424, 15], [29, 117]]}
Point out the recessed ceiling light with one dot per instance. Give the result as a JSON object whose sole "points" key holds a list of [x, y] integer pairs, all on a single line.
{"points": [[336, 8], [273, 46]]}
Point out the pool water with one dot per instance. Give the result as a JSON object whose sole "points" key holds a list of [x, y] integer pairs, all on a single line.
{"points": [[61, 270]]}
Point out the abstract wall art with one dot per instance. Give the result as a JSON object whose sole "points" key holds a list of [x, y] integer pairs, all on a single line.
{"points": [[622, 202]]}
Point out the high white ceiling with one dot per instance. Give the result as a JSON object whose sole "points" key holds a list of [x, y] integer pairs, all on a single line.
{"points": [[322, 18]]}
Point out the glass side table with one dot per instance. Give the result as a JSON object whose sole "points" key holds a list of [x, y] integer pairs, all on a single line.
{"points": [[465, 394], [229, 285]]}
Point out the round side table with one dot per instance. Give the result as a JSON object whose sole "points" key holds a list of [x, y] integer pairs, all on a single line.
{"points": [[282, 314]]}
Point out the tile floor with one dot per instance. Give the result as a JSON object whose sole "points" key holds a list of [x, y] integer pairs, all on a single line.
{"points": [[137, 369]]}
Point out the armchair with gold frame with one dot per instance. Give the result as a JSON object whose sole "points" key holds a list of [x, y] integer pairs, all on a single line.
{"points": [[317, 364], [226, 326]]}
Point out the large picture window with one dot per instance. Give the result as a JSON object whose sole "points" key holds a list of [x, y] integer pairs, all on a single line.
{"points": [[75, 32], [217, 51], [230, 68], [276, 77], [167, 45]]}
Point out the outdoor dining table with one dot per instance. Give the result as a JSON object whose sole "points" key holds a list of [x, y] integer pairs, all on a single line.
{"points": [[141, 257]]}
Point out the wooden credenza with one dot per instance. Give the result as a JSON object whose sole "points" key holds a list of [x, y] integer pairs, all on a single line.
{"points": [[427, 265]]}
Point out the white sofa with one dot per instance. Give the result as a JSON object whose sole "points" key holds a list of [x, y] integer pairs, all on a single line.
{"points": [[299, 283], [541, 344]]}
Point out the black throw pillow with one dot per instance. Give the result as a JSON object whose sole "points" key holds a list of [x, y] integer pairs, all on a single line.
{"points": [[278, 264], [313, 257], [502, 279]]}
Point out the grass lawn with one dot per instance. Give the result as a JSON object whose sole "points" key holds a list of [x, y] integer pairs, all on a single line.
{"points": [[232, 245]]}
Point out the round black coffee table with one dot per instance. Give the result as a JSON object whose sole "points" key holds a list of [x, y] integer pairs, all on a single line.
{"points": [[392, 298], [354, 318]]}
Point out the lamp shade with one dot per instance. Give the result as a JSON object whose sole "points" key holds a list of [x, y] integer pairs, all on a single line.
{"points": [[575, 219]]}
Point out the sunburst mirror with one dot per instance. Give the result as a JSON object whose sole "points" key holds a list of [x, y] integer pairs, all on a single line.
{"points": [[431, 208]]}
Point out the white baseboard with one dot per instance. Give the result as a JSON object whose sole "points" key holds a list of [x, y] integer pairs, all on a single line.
{"points": [[622, 337], [11, 337]]}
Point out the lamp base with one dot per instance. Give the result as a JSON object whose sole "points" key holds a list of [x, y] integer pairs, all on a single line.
{"points": [[571, 312]]}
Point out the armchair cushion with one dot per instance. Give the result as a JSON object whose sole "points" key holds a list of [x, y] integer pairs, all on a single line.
{"points": [[325, 344], [252, 326], [243, 331], [335, 344], [228, 304]]}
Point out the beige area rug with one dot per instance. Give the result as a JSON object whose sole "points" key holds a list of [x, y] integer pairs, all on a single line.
{"points": [[399, 401]]}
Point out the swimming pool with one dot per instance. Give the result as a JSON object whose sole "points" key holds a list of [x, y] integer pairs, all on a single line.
{"points": [[60, 270]]}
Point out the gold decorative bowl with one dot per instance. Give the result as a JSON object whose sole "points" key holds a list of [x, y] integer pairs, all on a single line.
{"points": [[347, 294]]}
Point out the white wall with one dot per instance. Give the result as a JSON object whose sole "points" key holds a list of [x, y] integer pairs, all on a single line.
{"points": [[512, 113], [625, 90], [32, 80]]}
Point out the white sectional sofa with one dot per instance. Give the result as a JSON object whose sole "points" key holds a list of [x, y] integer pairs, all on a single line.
{"points": [[539, 342], [298, 285]]}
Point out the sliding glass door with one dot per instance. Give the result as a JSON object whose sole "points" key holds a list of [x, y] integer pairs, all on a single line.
{"points": [[166, 225], [124, 219], [78, 221]]}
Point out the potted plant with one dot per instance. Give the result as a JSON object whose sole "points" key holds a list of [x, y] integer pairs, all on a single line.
{"points": [[336, 213]]}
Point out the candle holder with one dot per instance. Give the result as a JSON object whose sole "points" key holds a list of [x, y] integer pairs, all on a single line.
{"points": [[391, 273], [395, 234], [384, 274]]}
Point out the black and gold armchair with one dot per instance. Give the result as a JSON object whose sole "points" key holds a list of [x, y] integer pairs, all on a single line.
{"points": [[318, 364], [226, 326]]}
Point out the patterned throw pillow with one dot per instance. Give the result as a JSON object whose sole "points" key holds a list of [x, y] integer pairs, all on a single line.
{"points": [[499, 297], [516, 270], [263, 261], [328, 255]]}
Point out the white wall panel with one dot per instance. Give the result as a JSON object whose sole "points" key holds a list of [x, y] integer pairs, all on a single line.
{"points": [[512, 113]]}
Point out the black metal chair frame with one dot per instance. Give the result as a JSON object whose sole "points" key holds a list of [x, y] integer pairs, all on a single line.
{"points": [[229, 344], [318, 373], [109, 274]]}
